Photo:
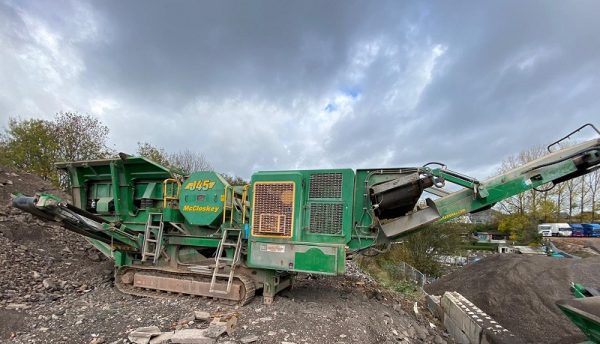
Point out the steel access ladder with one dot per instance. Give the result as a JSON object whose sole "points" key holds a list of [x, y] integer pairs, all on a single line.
{"points": [[231, 261], [153, 237]]}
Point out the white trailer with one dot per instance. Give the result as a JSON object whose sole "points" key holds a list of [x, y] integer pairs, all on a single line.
{"points": [[554, 229]]}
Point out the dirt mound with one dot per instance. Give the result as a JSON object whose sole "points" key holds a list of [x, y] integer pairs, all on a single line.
{"points": [[520, 292], [40, 263]]}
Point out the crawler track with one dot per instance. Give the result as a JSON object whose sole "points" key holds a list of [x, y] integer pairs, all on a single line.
{"points": [[179, 284]]}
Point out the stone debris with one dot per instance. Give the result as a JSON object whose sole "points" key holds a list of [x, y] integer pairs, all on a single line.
{"points": [[215, 329], [17, 306], [142, 335], [249, 339], [202, 315], [192, 336], [98, 340], [162, 338]]}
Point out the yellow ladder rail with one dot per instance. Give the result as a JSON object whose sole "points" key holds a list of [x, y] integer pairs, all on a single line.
{"points": [[244, 201], [230, 205], [170, 197]]}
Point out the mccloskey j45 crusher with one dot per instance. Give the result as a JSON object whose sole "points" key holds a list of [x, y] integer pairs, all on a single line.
{"points": [[198, 235]]}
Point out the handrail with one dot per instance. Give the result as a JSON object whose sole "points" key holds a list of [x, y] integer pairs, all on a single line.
{"points": [[573, 132], [167, 198], [244, 201]]}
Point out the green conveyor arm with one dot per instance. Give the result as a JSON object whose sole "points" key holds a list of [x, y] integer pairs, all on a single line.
{"points": [[555, 167], [52, 208]]}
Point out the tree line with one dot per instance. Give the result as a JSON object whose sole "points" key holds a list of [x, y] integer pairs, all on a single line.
{"points": [[34, 145]]}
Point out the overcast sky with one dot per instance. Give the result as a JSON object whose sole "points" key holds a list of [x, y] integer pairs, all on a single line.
{"points": [[260, 85]]}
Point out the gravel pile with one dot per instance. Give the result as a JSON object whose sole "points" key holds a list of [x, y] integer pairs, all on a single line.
{"points": [[520, 292]]}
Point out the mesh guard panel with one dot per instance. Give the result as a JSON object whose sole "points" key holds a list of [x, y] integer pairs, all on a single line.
{"points": [[273, 209], [326, 218], [325, 185]]}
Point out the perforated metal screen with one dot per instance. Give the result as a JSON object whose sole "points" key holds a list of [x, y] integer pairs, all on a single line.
{"points": [[273, 209], [326, 218], [325, 185]]}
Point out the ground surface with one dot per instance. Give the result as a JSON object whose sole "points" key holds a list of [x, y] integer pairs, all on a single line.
{"points": [[520, 292], [57, 289], [582, 247]]}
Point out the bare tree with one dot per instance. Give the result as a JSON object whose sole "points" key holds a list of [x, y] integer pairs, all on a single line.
{"points": [[189, 161], [526, 201], [571, 194], [593, 184], [184, 162]]}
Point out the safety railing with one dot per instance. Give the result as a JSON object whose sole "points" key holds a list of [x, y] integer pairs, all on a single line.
{"points": [[171, 195]]}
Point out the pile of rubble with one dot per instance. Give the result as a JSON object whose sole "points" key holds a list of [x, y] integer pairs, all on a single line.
{"points": [[208, 329]]}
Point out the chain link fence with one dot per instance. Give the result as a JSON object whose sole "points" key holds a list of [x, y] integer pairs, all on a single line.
{"points": [[404, 271]]}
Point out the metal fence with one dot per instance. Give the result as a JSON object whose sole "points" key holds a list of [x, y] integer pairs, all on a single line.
{"points": [[404, 271]]}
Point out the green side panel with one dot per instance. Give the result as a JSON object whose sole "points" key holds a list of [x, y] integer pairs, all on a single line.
{"points": [[322, 209], [314, 260], [119, 189], [172, 215], [201, 198], [149, 192], [192, 241]]}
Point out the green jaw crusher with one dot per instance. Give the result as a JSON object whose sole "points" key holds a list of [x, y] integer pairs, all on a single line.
{"points": [[199, 235]]}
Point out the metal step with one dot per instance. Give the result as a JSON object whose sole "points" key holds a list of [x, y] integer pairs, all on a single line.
{"points": [[153, 235], [219, 258]]}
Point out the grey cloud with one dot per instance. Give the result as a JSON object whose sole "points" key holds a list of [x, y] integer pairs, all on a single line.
{"points": [[277, 85]]}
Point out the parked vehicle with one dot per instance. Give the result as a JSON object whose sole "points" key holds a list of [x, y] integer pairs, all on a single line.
{"points": [[577, 230], [591, 229], [554, 229]]}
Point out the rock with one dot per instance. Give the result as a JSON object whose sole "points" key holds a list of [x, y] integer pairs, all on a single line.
{"points": [[98, 340], [17, 306], [411, 332], [49, 284], [94, 256], [162, 338], [36, 274], [421, 332], [8, 182], [202, 315], [439, 340], [186, 320], [43, 329], [142, 335], [249, 339], [215, 330], [194, 336]]}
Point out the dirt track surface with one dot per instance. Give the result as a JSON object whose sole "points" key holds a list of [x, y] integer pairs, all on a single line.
{"points": [[520, 292], [57, 289], [582, 247]]}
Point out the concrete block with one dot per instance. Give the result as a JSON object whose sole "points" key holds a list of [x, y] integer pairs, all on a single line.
{"points": [[434, 305], [465, 321], [191, 336]]}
